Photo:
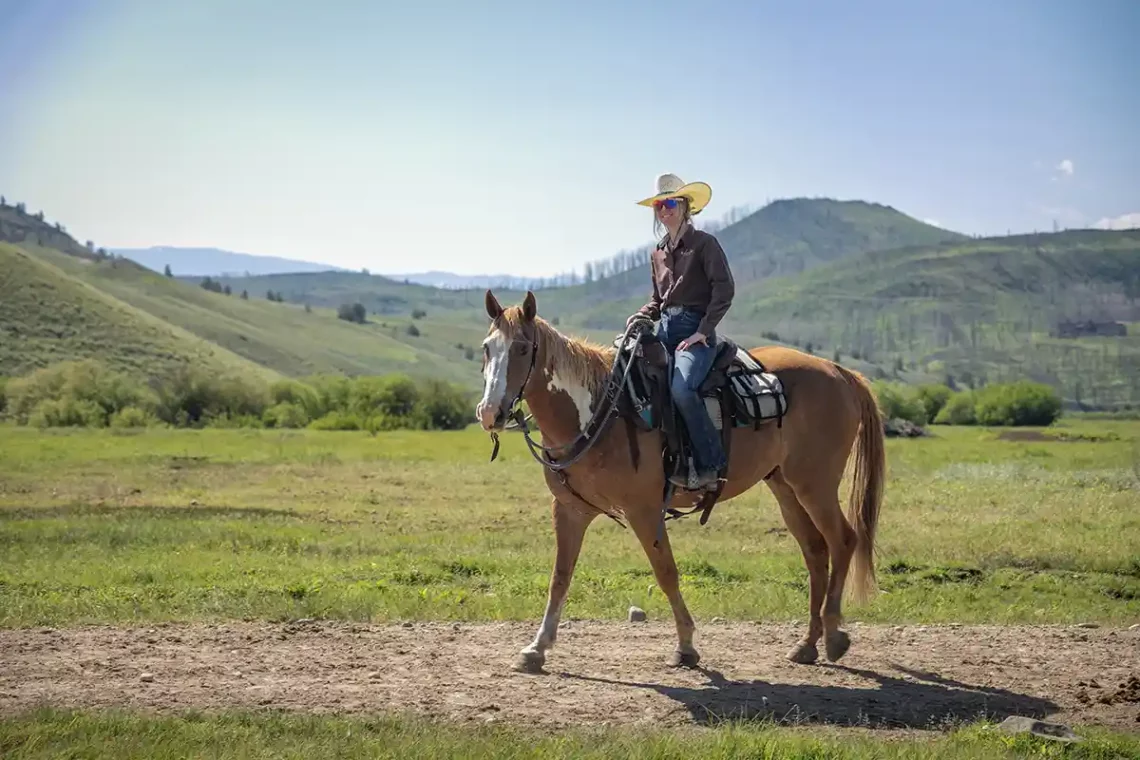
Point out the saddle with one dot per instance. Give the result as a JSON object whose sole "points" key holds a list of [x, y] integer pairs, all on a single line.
{"points": [[738, 392]]}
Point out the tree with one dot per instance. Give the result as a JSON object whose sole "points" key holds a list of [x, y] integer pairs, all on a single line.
{"points": [[167, 271], [352, 312], [227, 290], [245, 295]]}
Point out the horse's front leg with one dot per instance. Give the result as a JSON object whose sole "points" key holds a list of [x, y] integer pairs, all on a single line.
{"points": [[570, 523], [645, 522]]}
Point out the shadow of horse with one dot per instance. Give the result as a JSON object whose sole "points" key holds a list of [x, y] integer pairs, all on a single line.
{"points": [[921, 701]]}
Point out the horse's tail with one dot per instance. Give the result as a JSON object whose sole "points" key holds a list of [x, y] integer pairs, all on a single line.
{"points": [[867, 484]]}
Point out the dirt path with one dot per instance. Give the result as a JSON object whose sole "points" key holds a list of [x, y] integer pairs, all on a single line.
{"points": [[893, 677]]}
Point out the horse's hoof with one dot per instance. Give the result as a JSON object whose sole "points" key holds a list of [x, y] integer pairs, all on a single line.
{"points": [[804, 653], [530, 662], [684, 659], [838, 643]]}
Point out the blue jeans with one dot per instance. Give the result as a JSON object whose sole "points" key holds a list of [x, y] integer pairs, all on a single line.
{"points": [[690, 368]]}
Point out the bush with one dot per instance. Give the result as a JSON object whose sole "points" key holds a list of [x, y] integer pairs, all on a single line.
{"points": [[351, 312], [392, 396], [900, 402], [1020, 403], [444, 407], [132, 417], [285, 415], [298, 394], [84, 388], [958, 410], [194, 397], [3, 395], [933, 397], [336, 420], [67, 412]]}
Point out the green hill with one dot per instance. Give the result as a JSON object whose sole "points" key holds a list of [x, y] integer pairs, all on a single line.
{"points": [[978, 310], [47, 316]]}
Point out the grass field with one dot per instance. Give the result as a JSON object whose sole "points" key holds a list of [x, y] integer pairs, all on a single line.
{"points": [[99, 527]]}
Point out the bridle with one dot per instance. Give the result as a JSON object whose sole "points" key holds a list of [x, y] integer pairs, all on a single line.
{"points": [[600, 420]]}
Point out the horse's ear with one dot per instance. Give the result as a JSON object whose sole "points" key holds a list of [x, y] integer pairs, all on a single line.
{"points": [[530, 309], [494, 311]]}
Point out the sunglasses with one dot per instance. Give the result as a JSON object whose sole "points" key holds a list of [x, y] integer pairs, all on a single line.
{"points": [[669, 203]]}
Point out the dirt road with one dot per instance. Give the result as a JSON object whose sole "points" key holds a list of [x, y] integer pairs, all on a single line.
{"points": [[913, 677]]}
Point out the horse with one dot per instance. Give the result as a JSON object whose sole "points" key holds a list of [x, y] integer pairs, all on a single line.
{"points": [[832, 409]]}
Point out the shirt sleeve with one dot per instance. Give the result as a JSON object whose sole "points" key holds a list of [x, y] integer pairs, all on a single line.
{"points": [[720, 280]]}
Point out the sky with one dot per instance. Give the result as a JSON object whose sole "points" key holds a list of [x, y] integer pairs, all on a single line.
{"points": [[516, 137]]}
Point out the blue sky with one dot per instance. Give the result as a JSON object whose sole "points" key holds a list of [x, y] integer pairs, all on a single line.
{"points": [[516, 136]]}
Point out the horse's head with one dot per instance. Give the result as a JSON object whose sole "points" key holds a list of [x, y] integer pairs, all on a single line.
{"points": [[509, 354]]}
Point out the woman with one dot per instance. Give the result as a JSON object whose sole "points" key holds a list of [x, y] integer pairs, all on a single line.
{"points": [[692, 290]]}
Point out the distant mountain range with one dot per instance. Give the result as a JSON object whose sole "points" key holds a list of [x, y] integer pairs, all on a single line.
{"points": [[216, 262], [200, 262]]}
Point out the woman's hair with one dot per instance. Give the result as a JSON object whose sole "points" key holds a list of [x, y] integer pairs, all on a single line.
{"points": [[659, 228]]}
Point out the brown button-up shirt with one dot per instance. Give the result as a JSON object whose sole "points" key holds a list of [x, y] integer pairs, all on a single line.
{"points": [[694, 273]]}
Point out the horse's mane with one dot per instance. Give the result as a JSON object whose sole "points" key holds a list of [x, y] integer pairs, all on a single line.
{"points": [[578, 360]]}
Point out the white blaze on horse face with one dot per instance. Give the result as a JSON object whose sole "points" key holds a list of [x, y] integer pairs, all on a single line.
{"points": [[494, 377], [579, 395]]}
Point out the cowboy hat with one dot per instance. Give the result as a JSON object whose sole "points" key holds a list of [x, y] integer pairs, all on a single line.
{"points": [[671, 186]]}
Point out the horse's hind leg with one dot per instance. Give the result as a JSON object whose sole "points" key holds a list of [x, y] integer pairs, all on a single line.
{"points": [[570, 523], [821, 500], [814, 549], [644, 523]]}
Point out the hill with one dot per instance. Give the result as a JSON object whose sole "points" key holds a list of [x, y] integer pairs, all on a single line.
{"points": [[783, 237], [47, 316], [1060, 308], [215, 261], [67, 301]]}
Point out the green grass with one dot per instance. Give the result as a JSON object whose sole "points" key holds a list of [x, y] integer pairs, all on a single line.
{"points": [[57, 733], [223, 524], [47, 315]]}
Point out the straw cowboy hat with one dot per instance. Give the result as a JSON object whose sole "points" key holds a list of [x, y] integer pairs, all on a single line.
{"points": [[672, 186]]}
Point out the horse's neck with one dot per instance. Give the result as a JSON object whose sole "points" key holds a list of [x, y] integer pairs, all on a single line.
{"points": [[562, 406]]}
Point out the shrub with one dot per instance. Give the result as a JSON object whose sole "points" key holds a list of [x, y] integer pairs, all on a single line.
{"points": [[67, 412], [933, 397], [393, 396], [958, 410], [77, 385], [132, 417], [899, 402], [336, 420], [298, 394], [285, 415], [351, 312], [1021, 403], [195, 397], [444, 406], [3, 395]]}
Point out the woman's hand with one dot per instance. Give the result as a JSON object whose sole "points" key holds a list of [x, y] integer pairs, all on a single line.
{"points": [[692, 340]]}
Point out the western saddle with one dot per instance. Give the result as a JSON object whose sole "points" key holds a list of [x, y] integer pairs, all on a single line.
{"points": [[738, 391]]}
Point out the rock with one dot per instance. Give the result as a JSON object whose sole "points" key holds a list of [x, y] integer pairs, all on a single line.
{"points": [[717, 620], [193, 502], [1017, 724], [1134, 627], [900, 428], [146, 677], [1088, 625], [636, 615]]}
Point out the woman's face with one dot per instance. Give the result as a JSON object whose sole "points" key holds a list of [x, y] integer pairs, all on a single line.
{"points": [[669, 211]]}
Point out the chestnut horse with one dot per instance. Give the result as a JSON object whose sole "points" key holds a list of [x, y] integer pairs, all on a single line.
{"points": [[563, 380]]}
